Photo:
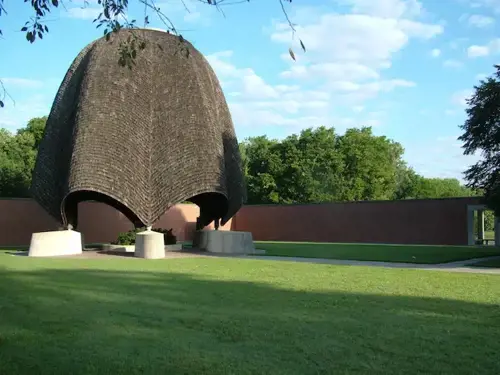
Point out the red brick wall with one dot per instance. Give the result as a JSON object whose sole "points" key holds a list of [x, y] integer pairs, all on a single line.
{"points": [[415, 221], [21, 217], [98, 222], [439, 221]]}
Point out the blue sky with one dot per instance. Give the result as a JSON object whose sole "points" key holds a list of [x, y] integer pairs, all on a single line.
{"points": [[403, 67]]}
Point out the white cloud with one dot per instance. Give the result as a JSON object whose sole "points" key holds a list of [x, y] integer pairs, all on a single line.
{"points": [[436, 52], [478, 51], [493, 47], [488, 5], [420, 30], [353, 92], [459, 98], [254, 86], [334, 70], [457, 43], [345, 64], [12, 83], [187, 10], [478, 20], [349, 52], [256, 104], [358, 38], [439, 157], [386, 8], [253, 101], [451, 63], [17, 114], [83, 12], [256, 117]]}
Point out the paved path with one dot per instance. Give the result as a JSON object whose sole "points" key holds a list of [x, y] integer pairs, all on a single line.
{"points": [[460, 266]]}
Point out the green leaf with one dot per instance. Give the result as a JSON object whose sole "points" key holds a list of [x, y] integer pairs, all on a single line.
{"points": [[302, 45]]}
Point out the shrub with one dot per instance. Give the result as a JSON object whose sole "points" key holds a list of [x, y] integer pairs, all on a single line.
{"points": [[128, 238], [168, 236]]}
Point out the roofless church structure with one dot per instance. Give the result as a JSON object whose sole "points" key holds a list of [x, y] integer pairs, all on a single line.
{"points": [[140, 139]]}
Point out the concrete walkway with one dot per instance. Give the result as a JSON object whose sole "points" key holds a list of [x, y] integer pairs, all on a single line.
{"points": [[460, 266]]}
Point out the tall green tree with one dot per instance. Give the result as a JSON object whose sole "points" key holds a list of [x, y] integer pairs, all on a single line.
{"points": [[481, 134], [370, 165], [411, 185], [312, 167], [407, 182], [262, 163], [319, 165], [17, 158], [442, 188], [36, 127]]}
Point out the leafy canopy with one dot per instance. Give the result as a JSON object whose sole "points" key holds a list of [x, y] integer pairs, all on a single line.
{"points": [[319, 165], [481, 134], [316, 165], [17, 158]]}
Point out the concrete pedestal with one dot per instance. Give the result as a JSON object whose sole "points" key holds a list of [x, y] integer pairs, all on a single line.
{"points": [[55, 243], [149, 245], [119, 248], [226, 242]]}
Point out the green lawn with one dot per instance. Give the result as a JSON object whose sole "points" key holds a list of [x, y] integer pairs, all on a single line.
{"points": [[384, 253], [241, 316]]}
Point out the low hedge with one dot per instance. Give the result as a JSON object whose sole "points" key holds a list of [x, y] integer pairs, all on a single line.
{"points": [[128, 238]]}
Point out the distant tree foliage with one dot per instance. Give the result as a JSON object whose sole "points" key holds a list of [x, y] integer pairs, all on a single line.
{"points": [[17, 158], [317, 165], [481, 134]]}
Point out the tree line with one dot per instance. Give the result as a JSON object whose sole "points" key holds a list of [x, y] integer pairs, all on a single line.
{"points": [[317, 165]]}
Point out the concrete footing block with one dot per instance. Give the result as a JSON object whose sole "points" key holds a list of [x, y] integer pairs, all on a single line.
{"points": [[149, 245], [55, 243], [225, 242]]}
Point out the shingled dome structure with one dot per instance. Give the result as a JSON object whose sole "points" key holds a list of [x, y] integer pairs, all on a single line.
{"points": [[140, 139]]}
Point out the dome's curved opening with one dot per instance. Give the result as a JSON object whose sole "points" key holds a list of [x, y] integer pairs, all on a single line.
{"points": [[70, 206], [212, 204]]}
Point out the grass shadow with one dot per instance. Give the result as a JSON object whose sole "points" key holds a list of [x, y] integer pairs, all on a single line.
{"points": [[89, 321]]}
